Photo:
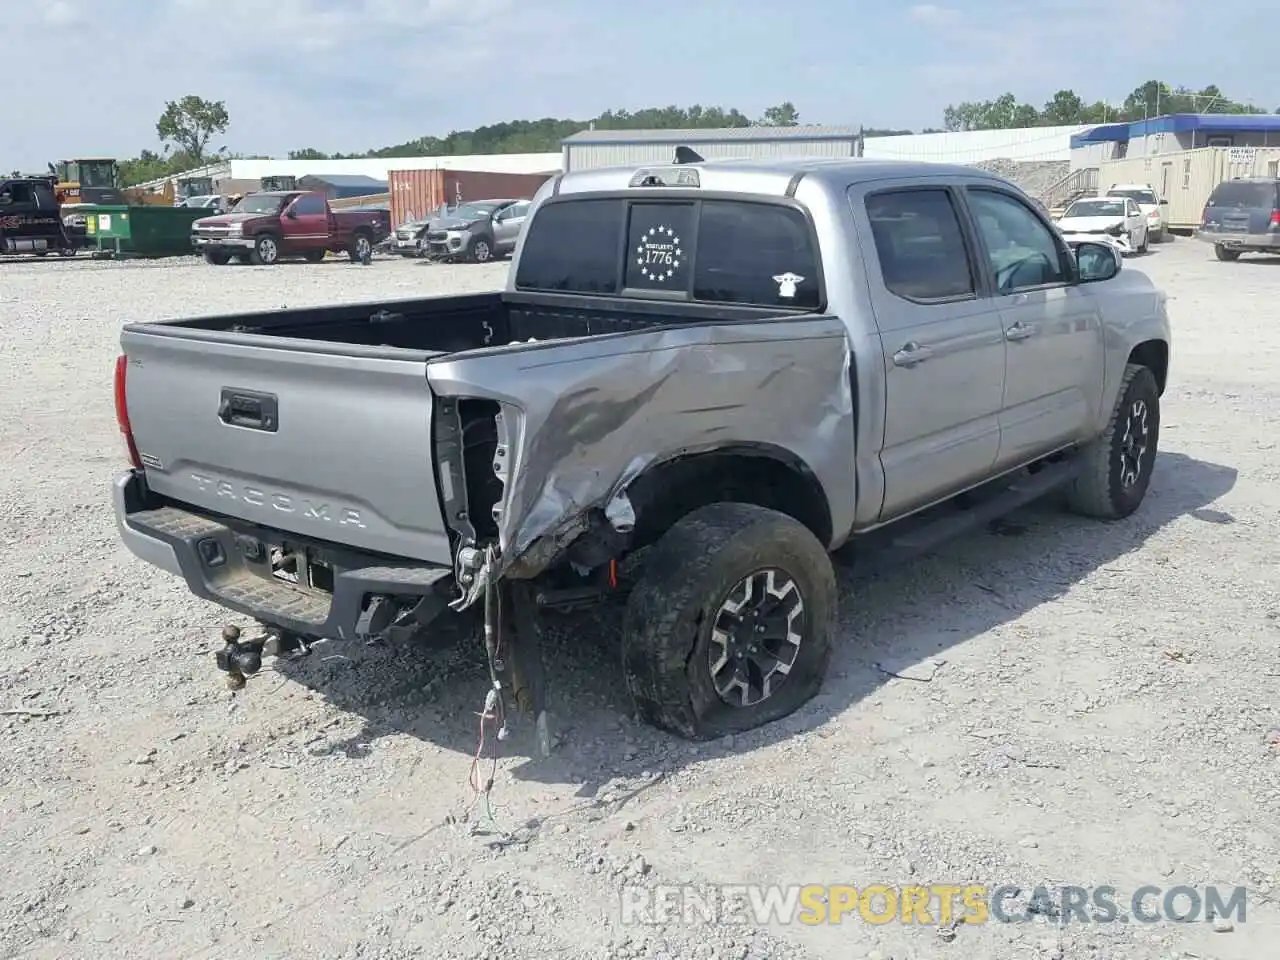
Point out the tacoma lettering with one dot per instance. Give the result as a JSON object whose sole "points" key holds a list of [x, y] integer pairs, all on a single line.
{"points": [[281, 502]]}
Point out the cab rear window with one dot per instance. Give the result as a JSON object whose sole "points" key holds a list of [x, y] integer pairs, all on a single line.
{"points": [[743, 252]]}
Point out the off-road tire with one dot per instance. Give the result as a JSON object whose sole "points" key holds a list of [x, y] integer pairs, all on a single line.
{"points": [[266, 251], [218, 258], [480, 250], [359, 244], [1225, 253], [1099, 490], [670, 616], [314, 256]]}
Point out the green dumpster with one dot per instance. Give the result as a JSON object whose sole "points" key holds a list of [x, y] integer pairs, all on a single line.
{"points": [[142, 231]]}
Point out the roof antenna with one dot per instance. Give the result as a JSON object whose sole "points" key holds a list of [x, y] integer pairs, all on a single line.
{"points": [[685, 155]]}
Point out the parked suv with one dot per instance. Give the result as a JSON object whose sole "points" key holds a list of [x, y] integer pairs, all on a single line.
{"points": [[1242, 216], [1149, 202], [478, 231]]}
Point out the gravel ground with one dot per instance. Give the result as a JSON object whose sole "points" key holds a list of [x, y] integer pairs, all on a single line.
{"points": [[1075, 704]]}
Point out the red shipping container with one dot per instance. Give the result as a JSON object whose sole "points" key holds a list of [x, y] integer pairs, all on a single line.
{"points": [[417, 194]]}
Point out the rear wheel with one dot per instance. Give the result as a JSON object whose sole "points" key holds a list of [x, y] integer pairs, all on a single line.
{"points": [[1225, 253], [266, 251], [361, 249], [219, 258], [1146, 242], [730, 625]]}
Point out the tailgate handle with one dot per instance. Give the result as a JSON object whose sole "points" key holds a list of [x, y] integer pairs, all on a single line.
{"points": [[249, 409]]}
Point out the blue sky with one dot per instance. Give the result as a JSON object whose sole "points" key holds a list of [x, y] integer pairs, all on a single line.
{"points": [[353, 74]]}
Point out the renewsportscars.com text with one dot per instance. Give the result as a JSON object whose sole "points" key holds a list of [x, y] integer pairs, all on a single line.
{"points": [[936, 904]]}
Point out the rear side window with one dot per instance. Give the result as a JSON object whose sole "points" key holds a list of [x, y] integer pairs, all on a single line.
{"points": [[1238, 194], [715, 251], [920, 245], [755, 253], [573, 247]]}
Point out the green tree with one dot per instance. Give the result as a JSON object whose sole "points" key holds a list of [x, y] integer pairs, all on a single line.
{"points": [[1064, 107], [784, 114], [190, 123], [308, 153], [1153, 98]]}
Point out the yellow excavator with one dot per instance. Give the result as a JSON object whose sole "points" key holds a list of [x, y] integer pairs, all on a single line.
{"points": [[97, 180]]}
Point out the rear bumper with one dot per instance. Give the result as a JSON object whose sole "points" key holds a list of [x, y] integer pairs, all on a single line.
{"points": [[1245, 241], [218, 563]]}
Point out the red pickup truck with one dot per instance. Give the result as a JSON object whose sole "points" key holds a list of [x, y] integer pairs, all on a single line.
{"points": [[264, 227]]}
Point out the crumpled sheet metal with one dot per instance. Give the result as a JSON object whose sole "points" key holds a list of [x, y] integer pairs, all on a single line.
{"points": [[584, 418]]}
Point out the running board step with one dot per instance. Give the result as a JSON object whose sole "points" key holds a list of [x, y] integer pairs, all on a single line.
{"points": [[932, 534]]}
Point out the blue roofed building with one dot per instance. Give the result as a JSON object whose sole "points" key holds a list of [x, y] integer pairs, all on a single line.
{"points": [[337, 186], [1182, 156], [1169, 134]]}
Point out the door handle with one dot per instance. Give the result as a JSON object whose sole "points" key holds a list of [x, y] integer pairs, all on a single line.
{"points": [[911, 354], [1019, 331]]}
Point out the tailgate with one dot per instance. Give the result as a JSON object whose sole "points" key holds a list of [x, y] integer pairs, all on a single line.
{"points": [[322, 444]]}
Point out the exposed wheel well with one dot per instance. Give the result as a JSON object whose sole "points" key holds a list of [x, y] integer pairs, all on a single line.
{"points": [[765, 477], [1154, 355]]}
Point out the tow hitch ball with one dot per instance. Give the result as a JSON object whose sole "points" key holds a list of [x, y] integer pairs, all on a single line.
{"points": [[240, 659]]}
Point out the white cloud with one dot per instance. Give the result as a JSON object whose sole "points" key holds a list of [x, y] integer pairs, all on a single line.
{"points": [[352, 74], [933, 15], [60, 13]]}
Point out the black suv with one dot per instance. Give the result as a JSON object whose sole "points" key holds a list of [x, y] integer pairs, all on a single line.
{"points": [[1243, 216]]}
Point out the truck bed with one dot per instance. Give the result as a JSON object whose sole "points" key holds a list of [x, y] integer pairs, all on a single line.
{"points": [[450, 324], [323, 422]]}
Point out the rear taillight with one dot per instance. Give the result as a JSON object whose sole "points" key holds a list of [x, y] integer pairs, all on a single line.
{"points": [[122, 411], [1275, 218]]}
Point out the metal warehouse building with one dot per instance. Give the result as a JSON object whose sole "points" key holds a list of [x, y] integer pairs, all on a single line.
{"points": [[611, 148]]}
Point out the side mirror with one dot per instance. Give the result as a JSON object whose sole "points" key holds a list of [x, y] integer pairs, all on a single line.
{"points": [[1097, 261]]}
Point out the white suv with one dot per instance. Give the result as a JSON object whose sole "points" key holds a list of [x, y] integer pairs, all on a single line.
{"points": [[1149, 202]]}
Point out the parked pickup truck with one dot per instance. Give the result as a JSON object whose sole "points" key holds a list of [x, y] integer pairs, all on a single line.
{"points": [[264, 227], [30, 220], [743, 366]]}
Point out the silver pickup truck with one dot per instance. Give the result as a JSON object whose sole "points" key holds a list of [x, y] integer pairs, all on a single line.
{"points": [[741, 366]]}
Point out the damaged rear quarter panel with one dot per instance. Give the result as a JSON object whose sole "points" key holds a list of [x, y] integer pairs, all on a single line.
{"points": [[586, 417]]}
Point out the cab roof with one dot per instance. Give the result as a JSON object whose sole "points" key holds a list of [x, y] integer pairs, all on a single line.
{"points": [[772, 175]]}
